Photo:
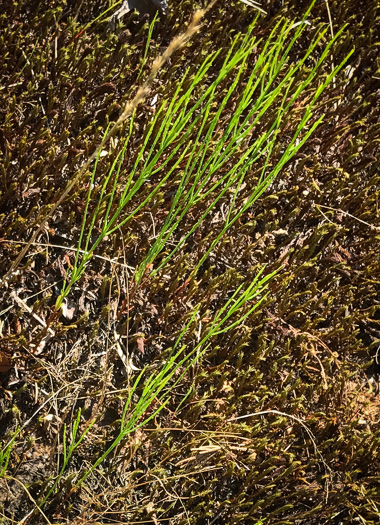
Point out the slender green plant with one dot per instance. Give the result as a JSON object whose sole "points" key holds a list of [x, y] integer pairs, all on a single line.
{"points": [[68, 451], [98, 17], [7, 449], [144, 58], [205, 159], [190, 146], [6, 452], [158, 386]]}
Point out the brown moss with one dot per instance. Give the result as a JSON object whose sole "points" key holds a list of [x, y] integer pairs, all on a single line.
{"points": [[305, 354]]}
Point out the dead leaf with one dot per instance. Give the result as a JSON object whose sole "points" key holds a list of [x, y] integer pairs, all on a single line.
{"points": [[140, 344], [68, 310], [5, 363]]}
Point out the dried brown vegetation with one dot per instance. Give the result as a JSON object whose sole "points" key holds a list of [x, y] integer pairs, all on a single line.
{"points": [[307, 361]]}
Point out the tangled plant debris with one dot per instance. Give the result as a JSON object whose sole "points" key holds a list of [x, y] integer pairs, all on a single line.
{"points": [[189, 263]]}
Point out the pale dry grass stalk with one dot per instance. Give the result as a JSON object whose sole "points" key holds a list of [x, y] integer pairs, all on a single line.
{"points": [[175, 45]]}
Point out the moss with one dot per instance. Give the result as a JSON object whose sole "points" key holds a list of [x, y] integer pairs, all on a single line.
{"points": [[305, 353]]}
